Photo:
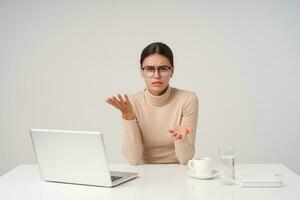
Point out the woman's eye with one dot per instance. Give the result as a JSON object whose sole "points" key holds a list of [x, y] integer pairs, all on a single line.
{"points": [[150, 69], [164, 69]]}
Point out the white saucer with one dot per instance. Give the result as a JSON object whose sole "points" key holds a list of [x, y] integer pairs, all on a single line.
{"points": [[213, 174]]}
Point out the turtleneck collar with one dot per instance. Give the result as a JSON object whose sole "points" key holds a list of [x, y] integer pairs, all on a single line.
{"points": [[159, 100]]}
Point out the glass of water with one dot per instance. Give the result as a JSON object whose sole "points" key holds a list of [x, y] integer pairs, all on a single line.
{"points": [[227, 159]]}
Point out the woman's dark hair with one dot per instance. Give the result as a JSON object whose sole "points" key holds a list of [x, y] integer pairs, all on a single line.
{"points": [[159, 48]]}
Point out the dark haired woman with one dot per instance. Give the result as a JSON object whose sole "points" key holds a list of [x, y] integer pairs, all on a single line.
{"points": [[159, 122]]}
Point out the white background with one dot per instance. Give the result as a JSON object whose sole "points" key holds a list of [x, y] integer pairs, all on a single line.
{"points": [[59, 61]]}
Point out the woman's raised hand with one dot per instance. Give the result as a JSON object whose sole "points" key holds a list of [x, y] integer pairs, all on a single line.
{"points": [[123, 104], [180, 132]]}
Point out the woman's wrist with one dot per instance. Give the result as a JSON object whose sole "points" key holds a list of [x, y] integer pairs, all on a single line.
{"points": [[128, 116]]}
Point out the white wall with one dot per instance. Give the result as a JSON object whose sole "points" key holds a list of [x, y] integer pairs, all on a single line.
{"points": [[60, 60]]}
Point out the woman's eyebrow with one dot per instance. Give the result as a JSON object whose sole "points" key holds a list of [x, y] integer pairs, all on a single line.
{"points": [[157, 66]]}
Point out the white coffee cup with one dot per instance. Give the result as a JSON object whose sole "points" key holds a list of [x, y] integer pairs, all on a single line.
{"points": [[202, 166]]}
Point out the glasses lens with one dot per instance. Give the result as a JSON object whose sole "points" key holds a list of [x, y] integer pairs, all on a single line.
{"points": [[164, 71], [149, 71]]}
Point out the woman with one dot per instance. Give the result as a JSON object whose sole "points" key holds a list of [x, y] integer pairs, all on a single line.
{"points": [[159, 122]]}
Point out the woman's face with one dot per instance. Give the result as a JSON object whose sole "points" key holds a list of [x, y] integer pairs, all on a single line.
{"points": [[160, 79]]}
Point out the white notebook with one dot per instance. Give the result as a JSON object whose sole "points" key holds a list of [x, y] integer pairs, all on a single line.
{"points": [[259, 180]]}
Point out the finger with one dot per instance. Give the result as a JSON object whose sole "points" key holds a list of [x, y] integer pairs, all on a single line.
{"points": [[127, 99], [117, 103], [178, 136], [181, 130], [186, 129], [171, 130], [116, 100], [112, 103], [174, 136], [109, 101], [174, 132], [189, 129], [121, 100]]}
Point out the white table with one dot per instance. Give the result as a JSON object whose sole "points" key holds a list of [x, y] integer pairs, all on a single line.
{"points": [[165, 181]]}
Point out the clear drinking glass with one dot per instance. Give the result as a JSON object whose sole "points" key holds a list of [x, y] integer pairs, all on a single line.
{"points": [[227, 159]]}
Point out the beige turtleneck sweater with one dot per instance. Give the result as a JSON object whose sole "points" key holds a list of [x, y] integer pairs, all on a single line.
{"points": [[146, 139]]}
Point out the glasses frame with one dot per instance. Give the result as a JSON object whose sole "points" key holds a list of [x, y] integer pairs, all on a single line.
{"points": [[157, 69]]}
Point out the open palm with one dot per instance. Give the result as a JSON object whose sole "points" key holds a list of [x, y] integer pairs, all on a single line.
{"points": [[123, 104], [180, 132]]}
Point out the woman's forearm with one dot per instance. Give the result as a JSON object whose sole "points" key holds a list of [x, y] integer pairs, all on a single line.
{"points": [[132, 144], [184, 150]]}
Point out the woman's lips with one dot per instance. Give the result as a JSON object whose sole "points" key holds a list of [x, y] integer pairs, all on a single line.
{"points": [[156, 83]]}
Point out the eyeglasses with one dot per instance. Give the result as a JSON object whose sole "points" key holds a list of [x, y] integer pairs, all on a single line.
{"points": [[149, 71]]}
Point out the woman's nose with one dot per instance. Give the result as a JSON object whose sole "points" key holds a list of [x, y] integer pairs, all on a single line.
{"points": [[156, 74]]}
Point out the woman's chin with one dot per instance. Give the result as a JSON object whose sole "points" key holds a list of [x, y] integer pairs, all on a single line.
{"points": [[157, 90]]}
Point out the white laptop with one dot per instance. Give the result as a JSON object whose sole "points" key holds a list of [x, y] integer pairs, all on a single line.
{"points": [[76, 157]]}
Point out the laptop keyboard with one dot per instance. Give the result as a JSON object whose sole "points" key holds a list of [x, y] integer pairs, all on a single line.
{"points": [[113, 178]]}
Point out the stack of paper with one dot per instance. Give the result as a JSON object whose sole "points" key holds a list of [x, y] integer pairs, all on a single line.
{"points": [[260, 180]]}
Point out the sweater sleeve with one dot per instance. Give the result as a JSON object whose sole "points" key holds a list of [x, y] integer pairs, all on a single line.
{"points": [[132, 144], [185, 150]]}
